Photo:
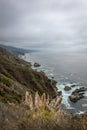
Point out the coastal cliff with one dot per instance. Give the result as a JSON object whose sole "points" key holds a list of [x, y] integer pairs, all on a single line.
{"points": [[17, 77]]}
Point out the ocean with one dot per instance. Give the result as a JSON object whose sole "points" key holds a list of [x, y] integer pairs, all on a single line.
{"points": [[67, 69]]}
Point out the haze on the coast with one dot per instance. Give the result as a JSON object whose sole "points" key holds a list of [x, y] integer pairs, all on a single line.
{"points": [[61, 25]]}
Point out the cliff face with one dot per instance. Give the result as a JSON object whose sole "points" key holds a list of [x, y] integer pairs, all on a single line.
{"points": [[17, 76]]}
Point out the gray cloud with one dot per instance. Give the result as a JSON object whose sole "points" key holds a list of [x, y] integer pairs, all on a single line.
{"points": [[44, 22]]}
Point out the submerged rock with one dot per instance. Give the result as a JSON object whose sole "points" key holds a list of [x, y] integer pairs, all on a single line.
{"points": [[67, 88]]}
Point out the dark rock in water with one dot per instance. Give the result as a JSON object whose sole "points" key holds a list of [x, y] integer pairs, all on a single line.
{"points": [[54, 82], [75, 98], [73, 85], [59, 93], [67, 88], [36, 65], [77, 94], [83, 89], [79, 90]]}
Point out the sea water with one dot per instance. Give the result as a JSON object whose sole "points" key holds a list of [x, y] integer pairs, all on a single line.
{"points": [[67, 69]]}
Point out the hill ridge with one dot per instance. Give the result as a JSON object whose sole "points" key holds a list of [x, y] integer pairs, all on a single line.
{"points": [[17, 75]]}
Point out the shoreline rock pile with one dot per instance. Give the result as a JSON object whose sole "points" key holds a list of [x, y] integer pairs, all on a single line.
{"points": [[77, 94]]}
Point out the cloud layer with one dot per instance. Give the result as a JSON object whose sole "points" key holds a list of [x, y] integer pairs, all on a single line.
{"points": [[42, 23]]}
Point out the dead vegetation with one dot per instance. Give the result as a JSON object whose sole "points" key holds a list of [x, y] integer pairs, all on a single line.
{"points": [[43, 102], [30, 115]]}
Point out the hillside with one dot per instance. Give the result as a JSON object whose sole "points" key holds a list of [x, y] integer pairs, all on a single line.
{"points": [[17, 76], [17, 51]]}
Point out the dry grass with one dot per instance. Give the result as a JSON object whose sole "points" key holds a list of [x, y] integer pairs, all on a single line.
{"points": [[24, 117], [21, 118], [44, 102]]}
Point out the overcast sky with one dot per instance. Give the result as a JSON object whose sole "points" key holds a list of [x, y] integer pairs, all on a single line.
{"points": [[44, 23]]}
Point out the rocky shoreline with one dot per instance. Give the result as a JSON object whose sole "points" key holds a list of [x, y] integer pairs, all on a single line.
{"points": [[76, 95]]}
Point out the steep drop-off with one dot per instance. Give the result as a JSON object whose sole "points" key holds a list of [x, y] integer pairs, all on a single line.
{"points": [[17, 76]]}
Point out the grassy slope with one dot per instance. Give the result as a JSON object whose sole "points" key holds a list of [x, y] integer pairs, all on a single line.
{"points": [[17, 76]]}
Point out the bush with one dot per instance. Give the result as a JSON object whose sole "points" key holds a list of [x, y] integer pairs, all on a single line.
{"points": [[5, 81], [17, 97], [2, 93], [4, 99]]}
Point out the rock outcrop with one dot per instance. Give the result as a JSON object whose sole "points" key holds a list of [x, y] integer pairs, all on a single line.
{"points": [[77, 94], [72, 85], [59, 93], [36, 65], [67, 88]]}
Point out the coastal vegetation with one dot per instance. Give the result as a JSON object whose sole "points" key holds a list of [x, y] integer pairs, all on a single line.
{"points": [[23, 117]]}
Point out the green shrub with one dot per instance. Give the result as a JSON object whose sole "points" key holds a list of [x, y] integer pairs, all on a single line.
{"points": [[17, 97], [2, 93], [5, 81], [4, 99]]}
